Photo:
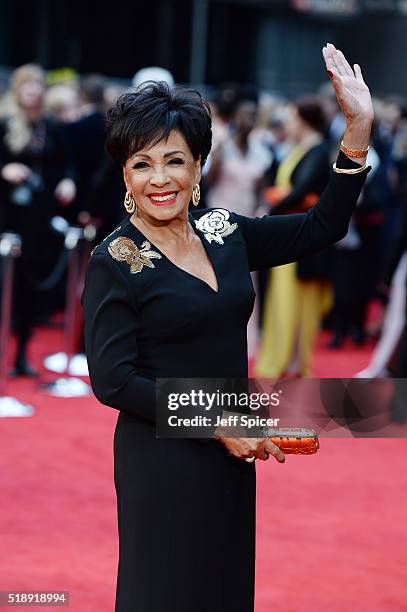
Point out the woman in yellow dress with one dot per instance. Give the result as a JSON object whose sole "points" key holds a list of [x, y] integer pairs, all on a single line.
{"points": [[298, 293]]}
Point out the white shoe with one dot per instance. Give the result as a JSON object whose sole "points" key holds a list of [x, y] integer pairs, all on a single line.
{"points": [[79, 365], [11, 407], [68, 387], [57, 363]]}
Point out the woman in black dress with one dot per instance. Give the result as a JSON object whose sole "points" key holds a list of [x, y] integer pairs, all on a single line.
{"points": [[168, 294]]}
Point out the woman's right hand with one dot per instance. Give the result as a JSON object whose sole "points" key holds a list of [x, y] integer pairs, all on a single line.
{"points": [[15, 173], [244, 448]]}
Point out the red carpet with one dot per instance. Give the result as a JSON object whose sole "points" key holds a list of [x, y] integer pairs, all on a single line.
{"points": [[343, 363], [331, 528]]}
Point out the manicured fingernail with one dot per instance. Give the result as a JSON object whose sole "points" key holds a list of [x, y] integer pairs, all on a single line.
{"points": [[330, 74]]}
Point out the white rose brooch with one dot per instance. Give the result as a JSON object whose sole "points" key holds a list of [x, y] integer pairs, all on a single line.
{"points": [[124, 249], [215, 225]]}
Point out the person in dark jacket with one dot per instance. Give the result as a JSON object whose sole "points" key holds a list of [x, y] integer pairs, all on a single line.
{"points": [[100, 190], [36, 180]]}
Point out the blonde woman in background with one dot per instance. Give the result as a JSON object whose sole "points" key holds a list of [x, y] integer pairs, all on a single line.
{"points": [[36, 178], [62, 102]]}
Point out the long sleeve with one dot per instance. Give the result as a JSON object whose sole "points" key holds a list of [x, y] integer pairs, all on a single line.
{"points": [[281, 239], [111, 326]]}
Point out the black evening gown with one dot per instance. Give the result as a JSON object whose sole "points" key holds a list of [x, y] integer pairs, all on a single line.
{"points": [[186, 508]]}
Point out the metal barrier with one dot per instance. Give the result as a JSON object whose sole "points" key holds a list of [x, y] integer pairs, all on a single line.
{"points": [[10, 248], [78, 242]]}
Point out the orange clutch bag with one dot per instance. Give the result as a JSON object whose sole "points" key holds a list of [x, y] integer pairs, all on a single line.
{"points": [[295, 440]]}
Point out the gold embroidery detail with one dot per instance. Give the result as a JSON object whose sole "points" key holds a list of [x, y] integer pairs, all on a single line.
{"points": [[106, 237], [124, 249], [215, 225]]}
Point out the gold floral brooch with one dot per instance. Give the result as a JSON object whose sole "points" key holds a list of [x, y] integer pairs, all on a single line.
{"points": [[215, 225], [124, 249]]}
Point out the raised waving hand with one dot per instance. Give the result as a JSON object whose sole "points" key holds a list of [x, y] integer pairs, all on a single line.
{"points": [[353, 96]]}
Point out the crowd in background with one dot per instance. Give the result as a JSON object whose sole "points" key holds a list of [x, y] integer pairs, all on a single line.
{"points": [[270, 156]]}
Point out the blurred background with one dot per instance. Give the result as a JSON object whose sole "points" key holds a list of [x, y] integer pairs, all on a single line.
{"points": [[269, 44], [276, 132]]}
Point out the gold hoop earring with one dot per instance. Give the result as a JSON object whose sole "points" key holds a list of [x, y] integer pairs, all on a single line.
{"points": [[196, 195], [129, 203]]}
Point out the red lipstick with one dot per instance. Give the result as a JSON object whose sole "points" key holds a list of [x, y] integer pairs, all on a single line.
{"points": [[169, 198]]}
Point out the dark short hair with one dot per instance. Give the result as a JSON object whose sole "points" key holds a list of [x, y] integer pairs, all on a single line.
{"points": [[311, 112], [145, 116]]}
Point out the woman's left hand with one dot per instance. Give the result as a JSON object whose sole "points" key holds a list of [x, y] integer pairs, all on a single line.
{"points": [[352, 93], [65, 191]]}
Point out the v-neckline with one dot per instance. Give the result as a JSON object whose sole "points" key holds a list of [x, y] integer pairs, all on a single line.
{"points": [[174, 265]]}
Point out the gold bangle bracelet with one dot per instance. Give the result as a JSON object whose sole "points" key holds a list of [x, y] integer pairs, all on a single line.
{"points": [[349, 170], [353, 152]]}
